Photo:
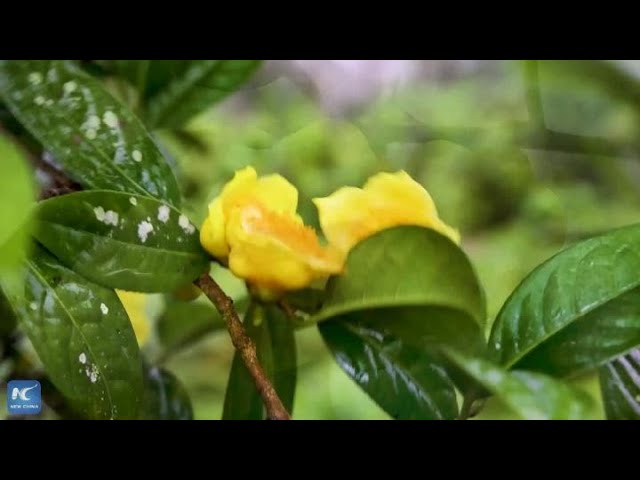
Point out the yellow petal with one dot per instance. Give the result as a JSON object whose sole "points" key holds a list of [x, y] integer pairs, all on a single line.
{"points": [[350, 214], [275, 251], [213, 235], [134, 304], [273, 191], [400, 200], [346, 217], [401, 194], [277, 194], [213, 229], [242, 180], [254, 228]]}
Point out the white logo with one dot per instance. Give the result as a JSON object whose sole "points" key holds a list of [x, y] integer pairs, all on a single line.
{"points": [[22, 393]]}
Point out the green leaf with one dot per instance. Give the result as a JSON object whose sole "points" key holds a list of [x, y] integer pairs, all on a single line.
{"points": [[405, 266], [275, 344], [532, 396], [182, 323], [403, 376], [620, 385], [7, 315], [165, 397], [308, 300], [97, 140], [148, 76], [83, 337], [121, 240], [199, 84], [16, 200], [405, 292], [576, 311]]}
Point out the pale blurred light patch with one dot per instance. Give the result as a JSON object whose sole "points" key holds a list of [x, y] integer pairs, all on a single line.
{"points": [[343, 85]]}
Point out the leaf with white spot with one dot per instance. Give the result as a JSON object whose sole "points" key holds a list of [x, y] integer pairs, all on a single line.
{"points": [[93, 359], [96, 140], [118, 243]]}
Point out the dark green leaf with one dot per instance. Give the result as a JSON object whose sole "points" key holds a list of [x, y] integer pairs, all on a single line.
{"points": [[576, 311], [275, 343], [200, 84], [97, 141], [395, 367], [121, 240], [308, 300], [620, 385], [532, 396], [165, 397], [149, 76], [182, 323], [7, 315], [83, 337], [385, 329], [16, 200]]}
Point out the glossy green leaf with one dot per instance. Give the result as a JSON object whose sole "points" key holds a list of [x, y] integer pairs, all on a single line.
{"points": [[405, 266], [182, 323], [165, 397], [83, 337], [97, 140], [620, 385], [386, 352], [576, 311], [385, 329], [121, 240], [532, 396], [199, 84], [275, 343], [16, 200]]}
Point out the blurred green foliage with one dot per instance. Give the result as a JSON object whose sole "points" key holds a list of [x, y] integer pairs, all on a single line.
{"points": [[517, 196]]}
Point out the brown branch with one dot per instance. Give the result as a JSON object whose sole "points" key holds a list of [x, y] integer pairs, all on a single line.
{"points": [[244, 345], [61, 184], [288, 310]]}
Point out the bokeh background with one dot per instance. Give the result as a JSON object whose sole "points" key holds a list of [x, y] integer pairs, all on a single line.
{"points": [[523, 158]]}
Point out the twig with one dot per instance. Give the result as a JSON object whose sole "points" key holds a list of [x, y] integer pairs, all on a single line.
{"points": [[288, 310], [61, 184], [244, 345]]}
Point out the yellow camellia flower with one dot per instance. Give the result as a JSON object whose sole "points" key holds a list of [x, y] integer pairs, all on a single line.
{"points": [[351, 214], [253, 228], [135, 305]]}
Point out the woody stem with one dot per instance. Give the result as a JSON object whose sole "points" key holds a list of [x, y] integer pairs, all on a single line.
{"points": [[244, 345]]}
